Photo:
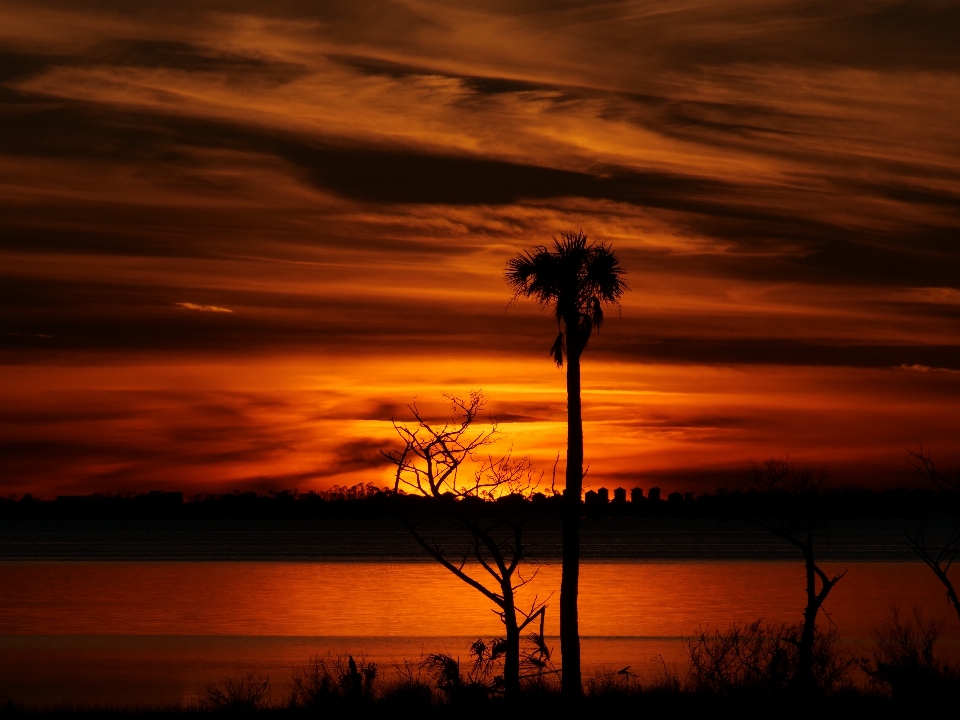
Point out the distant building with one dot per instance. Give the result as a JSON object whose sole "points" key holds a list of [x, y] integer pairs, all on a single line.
{"points": [[619, 495], [675, 498], [654, 494], [636, 495], [603, 496], [590, 498]]}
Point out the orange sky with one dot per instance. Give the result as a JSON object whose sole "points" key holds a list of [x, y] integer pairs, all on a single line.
{"points": [[235, 237]]}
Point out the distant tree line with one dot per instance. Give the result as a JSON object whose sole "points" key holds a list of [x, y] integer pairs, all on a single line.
{"points": [[366, 500]]}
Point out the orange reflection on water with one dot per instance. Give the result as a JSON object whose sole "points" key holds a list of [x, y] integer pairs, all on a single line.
{"points": [[145, 632], [377, 600]]}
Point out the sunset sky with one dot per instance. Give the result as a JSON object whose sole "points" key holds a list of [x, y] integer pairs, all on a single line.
{"points": [[236, 237]]}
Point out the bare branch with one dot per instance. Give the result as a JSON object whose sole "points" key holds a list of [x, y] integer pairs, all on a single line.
{"points": [[458, 571], [923, 463]]}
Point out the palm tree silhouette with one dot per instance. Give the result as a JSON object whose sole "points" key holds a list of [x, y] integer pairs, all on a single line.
{"points": [[576, 278]]}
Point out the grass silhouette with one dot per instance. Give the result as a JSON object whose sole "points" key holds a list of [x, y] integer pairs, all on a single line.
{"points": [[745, 670]]}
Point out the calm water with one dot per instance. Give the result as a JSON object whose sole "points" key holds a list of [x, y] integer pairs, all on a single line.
{"points": [[128, 632]]}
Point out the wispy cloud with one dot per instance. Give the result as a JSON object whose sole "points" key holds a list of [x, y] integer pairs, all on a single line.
{"points": [[203, 308], [928, 369]]}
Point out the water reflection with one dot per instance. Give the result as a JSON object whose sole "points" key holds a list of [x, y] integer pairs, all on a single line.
{"points": [[147, 631]]}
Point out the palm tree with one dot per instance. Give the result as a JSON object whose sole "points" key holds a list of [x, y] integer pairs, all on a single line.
{"points": [[576, 278]]}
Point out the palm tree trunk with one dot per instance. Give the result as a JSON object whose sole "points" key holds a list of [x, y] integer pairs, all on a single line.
{"points": [[571, 684]]}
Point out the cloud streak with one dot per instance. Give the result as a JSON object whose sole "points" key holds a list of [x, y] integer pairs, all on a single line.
{"points": [[202, 308]]}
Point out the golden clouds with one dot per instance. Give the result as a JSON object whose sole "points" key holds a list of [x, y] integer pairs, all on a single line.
{"points": [[781, 183]]}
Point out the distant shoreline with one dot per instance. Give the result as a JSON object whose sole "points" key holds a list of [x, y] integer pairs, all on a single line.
{"points": [[384, 539]]}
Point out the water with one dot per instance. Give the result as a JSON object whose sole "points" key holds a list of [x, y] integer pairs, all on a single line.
{"points": [[160, 631]]}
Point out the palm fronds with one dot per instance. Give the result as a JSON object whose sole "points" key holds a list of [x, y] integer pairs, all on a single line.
{"points": [[577, 277]]}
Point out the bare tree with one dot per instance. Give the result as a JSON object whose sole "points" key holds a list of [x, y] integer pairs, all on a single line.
{"points": [[797, 521], [938, 556], [493, 554]]}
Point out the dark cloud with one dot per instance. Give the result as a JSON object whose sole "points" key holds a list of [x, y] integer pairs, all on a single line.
{"points": [[903, 34], [216, 431], [61, 453], [665, 422], [17, 65], [358, 454], [745, 214], [154, 54], [178, 437], [367, 173], [919, 196], [779, 351], [124, 317], [484, 85], [36, 416], [189, 58], [748, 216], [370, 18], [791, 33], [913, 256], [771, 247]]}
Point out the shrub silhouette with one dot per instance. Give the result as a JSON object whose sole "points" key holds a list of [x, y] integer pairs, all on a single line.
{"points": [[904, 662], [484, 676], [762, 658], [323, 681], [409, 694], [475, 685], [619, 683], [242, 694]]}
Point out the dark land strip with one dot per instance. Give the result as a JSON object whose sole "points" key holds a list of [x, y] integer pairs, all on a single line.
{"points": [[385, 539], [364, 523]]}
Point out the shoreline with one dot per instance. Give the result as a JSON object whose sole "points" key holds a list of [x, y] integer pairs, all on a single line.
{"points": [[357, 539]]}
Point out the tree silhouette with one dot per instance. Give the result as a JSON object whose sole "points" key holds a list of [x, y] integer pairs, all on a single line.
{"points": [[431, 464], [576, 278], [938, 557], [798, 522]]}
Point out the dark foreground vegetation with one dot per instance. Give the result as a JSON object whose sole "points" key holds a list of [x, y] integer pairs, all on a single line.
{"points": [[744, 671], [647, 704]]}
